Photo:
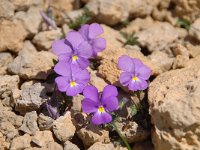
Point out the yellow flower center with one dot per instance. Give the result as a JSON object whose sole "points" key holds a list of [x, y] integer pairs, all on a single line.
{"points": [[74, 57], [101, 109], [134, 78], [72, 83]]}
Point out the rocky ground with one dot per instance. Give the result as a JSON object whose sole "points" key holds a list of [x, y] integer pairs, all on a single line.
{"points": [[164, 34]]}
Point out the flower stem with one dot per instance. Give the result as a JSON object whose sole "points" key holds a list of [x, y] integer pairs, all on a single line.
{"points": [[121, 136]]}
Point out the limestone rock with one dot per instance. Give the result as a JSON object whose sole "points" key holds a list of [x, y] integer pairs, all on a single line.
{"points": [[6, 9], [195, 29], [76, 106], [8, 130], [109, 69], [132, 131], [45, 122], [24, 4], [102, 146], [44, 39], [92, 134], [42, 138], [194, 50], [30, 98], [5, 59], [8, 84], [174, 108], [70, 146], [152, 39], [162, 60], [4, 144], [32, 65], [187, 9], [63, 127], [30, 123], [27, 18], [28, 47], [12, 35], [53, 146], [21, 142]]}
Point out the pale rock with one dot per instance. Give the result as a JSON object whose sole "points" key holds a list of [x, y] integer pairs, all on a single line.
{"points": [[151, 38], [102, 146], [6, 9], [30, 98], [73, 15], [162, 60], [4, 143], [5, 59], [194, 50], [43, 40], [92, 134], [32, 65], [27, 18], [63, 127], [174, 108], [109, 70], [70, 146], [182, 32], [28, 47], [30, 123], [53, 146], [24, 4], [138, 24], [188, 10], [12, 35], [96, 81], [21, 142], [65, 29], [60, 8], [7, 86], [27, 84], [44, 122], [195, 29], [8, 130], [132, 131], [76, 106], [42, 138]]}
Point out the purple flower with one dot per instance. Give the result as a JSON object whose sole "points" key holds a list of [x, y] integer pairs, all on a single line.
{"points": [[48, 20], [100, 105], [134, 74], [90, 33], [74, 49], [72, 80]]}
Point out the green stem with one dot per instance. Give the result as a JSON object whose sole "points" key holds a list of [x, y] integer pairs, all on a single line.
{"points": [[121, 136]]}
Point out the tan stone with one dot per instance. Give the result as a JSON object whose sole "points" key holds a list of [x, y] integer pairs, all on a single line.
{"points": [[92, 134], [24, 4], [5, 59], [70, 146], [194, 50], [21, 142], [63, 127], [174, 108], [42, 138], [195, 28], [6, 9], [12, 35], [102, 146], [32, 65]]}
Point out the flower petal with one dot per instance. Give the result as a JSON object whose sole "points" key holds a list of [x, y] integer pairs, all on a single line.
{"points": [[110, 103], [95, 30], [82, 76], [84, 30], [137, 85], [101, 118], [125, 78], [98, 45], [63, 68], [59, 47], [83, 63], [91, 92], [74, 38], [89, 106], [125, 63], [84, 50], [73, 91], [144, 72], [62, 83], [65, 57], [109, 91], [137, 63]]}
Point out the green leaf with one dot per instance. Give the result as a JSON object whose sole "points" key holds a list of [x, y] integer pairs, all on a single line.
{"points": [[183, 23], [83, 19], [133, 110], [130, 39]]}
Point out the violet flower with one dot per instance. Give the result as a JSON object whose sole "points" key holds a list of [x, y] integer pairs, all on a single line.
{"points": [[72, 80], [100, 105], [90, 33], [74, 49], [134, 74]]}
